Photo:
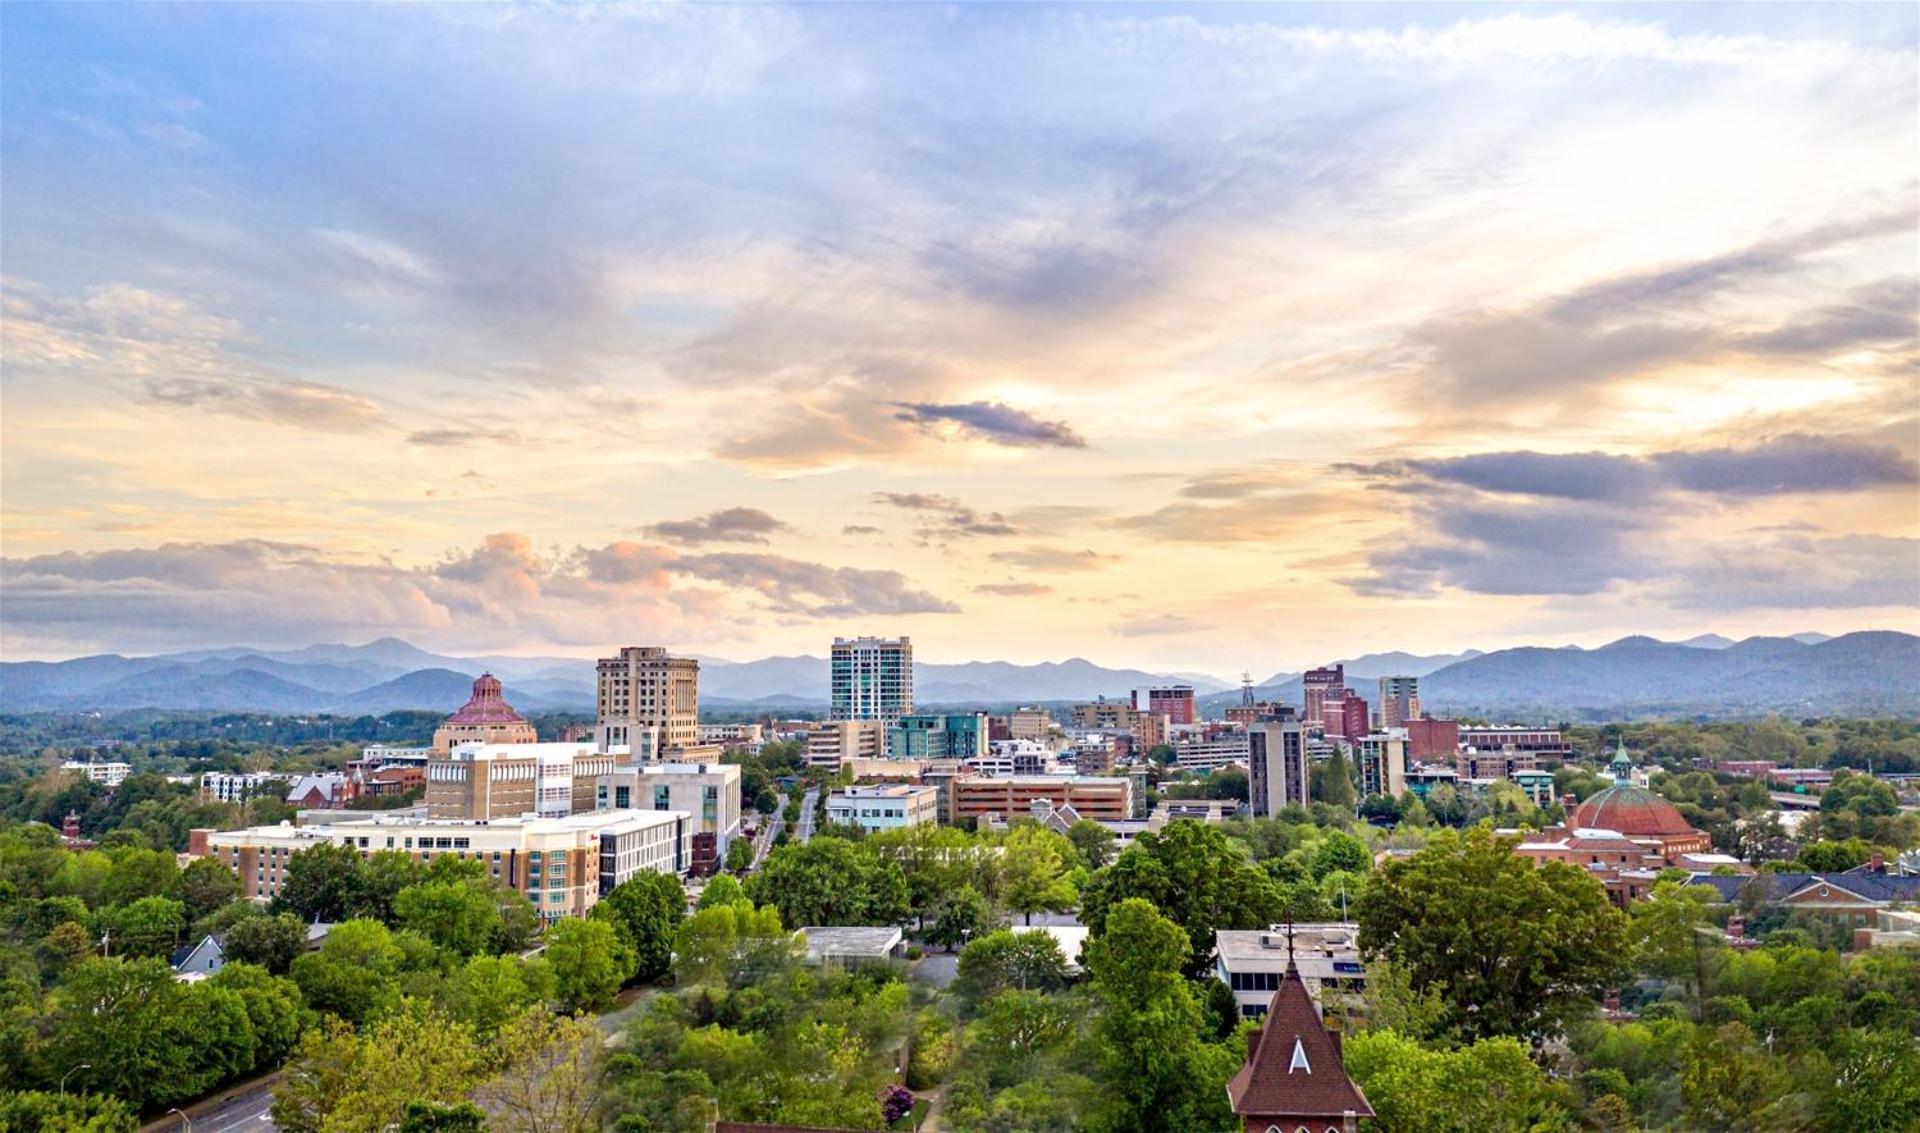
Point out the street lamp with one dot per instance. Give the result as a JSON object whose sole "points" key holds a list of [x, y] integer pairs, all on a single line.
{"points": [[183, 1117], [69, 1074]]}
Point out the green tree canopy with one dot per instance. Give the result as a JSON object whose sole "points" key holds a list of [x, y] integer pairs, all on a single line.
{"points": [[1195, 875]]}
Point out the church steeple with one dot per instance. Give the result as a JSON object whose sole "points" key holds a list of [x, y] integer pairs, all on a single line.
{"points": [[1293, 1075], [1622, 765]]}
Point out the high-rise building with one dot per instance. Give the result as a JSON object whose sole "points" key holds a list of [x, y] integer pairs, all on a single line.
{"points": [[834, 742], [1173, 701], [643, 690], [1347, 718], [1383, 763], [872, 678], [1319, 687], [1276, 766], [486, 718], [1399, 700]]}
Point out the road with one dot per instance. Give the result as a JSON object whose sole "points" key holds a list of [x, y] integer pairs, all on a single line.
{"points": [[244, 1110], [806, 815]]}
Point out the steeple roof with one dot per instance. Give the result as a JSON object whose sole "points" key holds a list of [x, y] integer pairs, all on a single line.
{"points": [[487, 706], [1293, 1066]]}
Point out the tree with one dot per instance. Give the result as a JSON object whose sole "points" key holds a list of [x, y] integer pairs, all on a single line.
{"points": [[739, 855], [490, 991], [322, 883], [647, 910], [355, 973], [381, 878], [150, 926], [733, 945], [275, 1013], [271, 942], [431, 1117], [205, 885], [1033, 870], [963, 916], [148, 1038], [1332, 782], [461, 917], [1834, 857], [1662, 928], [35, 1111], [1339, 851], [1194, 874], [1730, 1081], [722, 890], [1160, 1075], [1029, 961], [1093, 842], [590, 961], [1876, 1087], [1507, 945], [831, 882], [1490, 1086], [340, 1082], [550, 1076]]}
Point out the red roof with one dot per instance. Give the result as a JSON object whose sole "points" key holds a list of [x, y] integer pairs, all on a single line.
{"points": [[487, 705], [1630, 811], [1293, 1068]]}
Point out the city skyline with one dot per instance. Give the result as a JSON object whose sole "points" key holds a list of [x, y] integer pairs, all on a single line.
{"points": [[1211, 339]]}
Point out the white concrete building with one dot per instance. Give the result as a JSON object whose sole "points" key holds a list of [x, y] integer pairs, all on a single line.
{"points": [[708, 793], [225, 787], [105, 774], [888, 807], [1251, 962]]}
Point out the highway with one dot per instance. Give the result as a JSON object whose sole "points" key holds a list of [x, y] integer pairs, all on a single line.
{"points": [[244, 1110]]}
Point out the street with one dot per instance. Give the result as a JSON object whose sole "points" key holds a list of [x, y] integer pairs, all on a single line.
{"points": [[242, 1111], [806, 815]]}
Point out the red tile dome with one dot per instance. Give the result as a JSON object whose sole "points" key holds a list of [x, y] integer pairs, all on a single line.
{"points": [[488, 706], [1629, 810]]}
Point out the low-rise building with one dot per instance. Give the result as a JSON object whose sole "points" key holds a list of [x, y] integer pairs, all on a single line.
{"points": [[708, 793], [1028, 723], [890, 807], [847, 946], [923, 735], [484, 780], [829, 743], [749, 738], [563, 865], [1251, 961], [976, 797], [327, 789], [225, 787], [1210, 753], [1544, 742], [105, 773]]}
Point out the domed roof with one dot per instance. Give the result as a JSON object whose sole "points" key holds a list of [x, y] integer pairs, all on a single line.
{"points": [[1633, 811], [488, 706]]}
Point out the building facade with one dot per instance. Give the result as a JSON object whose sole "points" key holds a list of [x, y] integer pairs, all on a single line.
{"points": [[834, 742], [1318, 687], [975, 797], [105, 773], [1251, 961], [1399, 700], [1174, 701], [1519, 737], [485, 718], [223, 787], [1029, 724], [707, 793], [485, 781], [1429, 738], [642, 689], [1277, 766], [1383, 763], [563, 865], [872, 678], [890, 807], [925, 736]]}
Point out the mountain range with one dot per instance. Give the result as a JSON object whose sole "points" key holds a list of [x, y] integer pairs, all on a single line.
{"points": [[1870, 672]]}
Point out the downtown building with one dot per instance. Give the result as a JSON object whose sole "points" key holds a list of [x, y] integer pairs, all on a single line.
{"points": [[1399, 701], [1174, 701], [485, 718], [1318, 689], [872, 679], [1277, 766], [930, 736], [649, 703], [707, 793]]}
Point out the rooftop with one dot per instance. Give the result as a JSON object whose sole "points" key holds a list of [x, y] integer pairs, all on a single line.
{"points": [[876, 942], [487, 705]]}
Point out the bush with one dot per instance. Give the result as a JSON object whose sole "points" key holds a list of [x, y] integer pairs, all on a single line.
{"points": [[914, 952]]}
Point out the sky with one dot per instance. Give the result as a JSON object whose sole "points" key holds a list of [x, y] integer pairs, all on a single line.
{"points": [[1183, 337]]}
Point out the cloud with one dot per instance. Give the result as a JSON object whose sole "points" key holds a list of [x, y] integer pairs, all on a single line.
{"points": [[1014, 589], [1796, 571], [731, 525], [992, 421], [1054, 560], [1158, 625], [1485, 546], [1795, 463], [860, 529], [1638, 321], [450, 438], [954, 517], [502, 592], [306, 405], [795, 587]]}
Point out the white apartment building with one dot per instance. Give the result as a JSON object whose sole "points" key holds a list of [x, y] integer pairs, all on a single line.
{"points": [[386, 755], [1383, 763], [563, 865], [888, 807], [1199, 754], [872, 678], [1277, 767], [749, 738], [225, 787], [105, 774], [644, 688]]}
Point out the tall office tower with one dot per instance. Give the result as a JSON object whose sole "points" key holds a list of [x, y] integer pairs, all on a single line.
{"points": [[1173, 701], [643, 692], [1399, 701], [1276, 766], [1321, 687], [872, 678], [1347, 717]]}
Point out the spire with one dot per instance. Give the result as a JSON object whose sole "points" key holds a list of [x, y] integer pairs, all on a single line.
{"points": [[1622, 765]]}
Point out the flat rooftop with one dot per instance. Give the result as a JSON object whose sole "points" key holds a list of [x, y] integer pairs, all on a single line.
{"points": [[851, 940], [1309, 940]]}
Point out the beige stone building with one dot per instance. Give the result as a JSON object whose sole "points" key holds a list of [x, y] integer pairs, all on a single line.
{"points": [[643, 692]]}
